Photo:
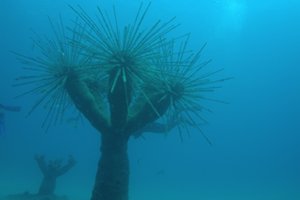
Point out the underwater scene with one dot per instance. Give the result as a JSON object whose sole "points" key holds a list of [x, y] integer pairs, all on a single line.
{"points": [[150, 100]]}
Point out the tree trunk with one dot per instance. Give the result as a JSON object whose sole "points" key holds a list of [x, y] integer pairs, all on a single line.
{"points": [[112, 177], [48, 185]]}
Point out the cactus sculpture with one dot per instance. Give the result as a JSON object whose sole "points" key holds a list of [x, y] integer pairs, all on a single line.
{"points": [[121, 79], [51, 171]]}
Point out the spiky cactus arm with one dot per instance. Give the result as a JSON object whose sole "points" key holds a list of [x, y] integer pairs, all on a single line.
{"points": [[119, 96], [87, 102], [151, 106]]}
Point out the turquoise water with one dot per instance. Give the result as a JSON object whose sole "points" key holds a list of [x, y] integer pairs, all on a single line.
{"points": [[255, 152]]}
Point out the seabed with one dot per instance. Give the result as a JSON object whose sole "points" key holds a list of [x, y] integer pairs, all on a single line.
{"points": [[174, 193]]}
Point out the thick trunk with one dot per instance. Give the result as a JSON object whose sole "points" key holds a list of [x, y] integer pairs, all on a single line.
{"points": [[113, 169], [48, 185]]}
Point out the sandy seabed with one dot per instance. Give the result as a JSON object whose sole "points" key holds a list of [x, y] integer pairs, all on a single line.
{"points": [[186, 193]]}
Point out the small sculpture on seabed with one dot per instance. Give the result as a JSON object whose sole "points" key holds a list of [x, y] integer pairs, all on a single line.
{"points": [[51, 171]]}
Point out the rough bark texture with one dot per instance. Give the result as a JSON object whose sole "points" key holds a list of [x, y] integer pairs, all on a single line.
{"points": [[112, 177], [48, 185]]}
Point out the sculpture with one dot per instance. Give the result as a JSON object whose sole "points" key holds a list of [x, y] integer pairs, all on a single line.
{"points": [[121, 79], [51, 171]]}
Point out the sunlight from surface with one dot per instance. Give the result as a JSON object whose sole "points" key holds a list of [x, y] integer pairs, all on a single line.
{"points": [[232, 14], [235, 6]]}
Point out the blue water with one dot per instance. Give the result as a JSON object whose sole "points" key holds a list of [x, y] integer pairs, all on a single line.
{"points": [[256, 136]]}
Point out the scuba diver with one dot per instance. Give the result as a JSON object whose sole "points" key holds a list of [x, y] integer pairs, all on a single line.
{"points": [[2, 115]]}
